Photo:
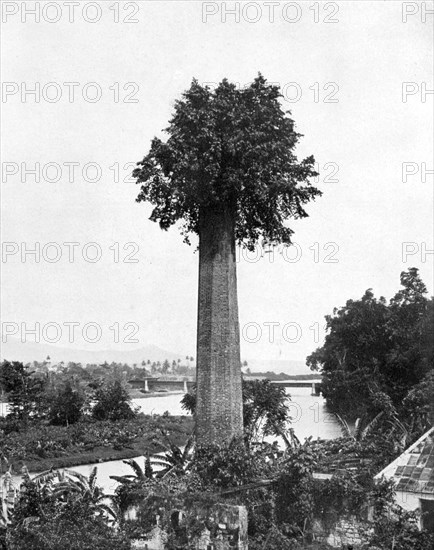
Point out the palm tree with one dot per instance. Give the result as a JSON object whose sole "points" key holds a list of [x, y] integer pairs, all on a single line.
{"points": [[138, 476], [45, 481], [175, 460], [290, 439], [132, 488], [60, 485], [79, 487], [362, 426]]}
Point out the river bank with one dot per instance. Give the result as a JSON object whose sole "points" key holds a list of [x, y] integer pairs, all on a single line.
{"points": [[42, 447], [310, 418], [138, 394], [99, 455]]}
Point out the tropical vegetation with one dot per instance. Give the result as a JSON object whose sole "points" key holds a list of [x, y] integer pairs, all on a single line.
{"points": [[384, 351]]}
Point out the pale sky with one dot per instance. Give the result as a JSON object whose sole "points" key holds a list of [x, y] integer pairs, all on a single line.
{"points": [[367, 212]]}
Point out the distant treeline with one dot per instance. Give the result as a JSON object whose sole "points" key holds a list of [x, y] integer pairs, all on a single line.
{"points": [[88, 371], [282, 376]]}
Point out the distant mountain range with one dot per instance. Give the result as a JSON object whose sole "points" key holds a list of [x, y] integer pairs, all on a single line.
{"points": [[287, 366], [15, 350]]}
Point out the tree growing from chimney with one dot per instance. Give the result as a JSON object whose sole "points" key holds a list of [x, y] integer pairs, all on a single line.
{"points": [[228, 173]]}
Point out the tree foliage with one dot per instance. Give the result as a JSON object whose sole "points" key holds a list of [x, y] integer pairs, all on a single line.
{"points": [[379, 350], [112, 402], [265, 408], [174, 460], [63, 515], [24, 391], [231, 147], [67, 405], [294, 499], [393, 526]]}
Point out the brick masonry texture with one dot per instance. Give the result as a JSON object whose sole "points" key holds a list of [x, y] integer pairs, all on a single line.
{"points": [[219, 414]]}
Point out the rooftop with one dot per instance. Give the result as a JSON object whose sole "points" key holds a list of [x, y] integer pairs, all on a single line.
{"points": [[413, 470]]}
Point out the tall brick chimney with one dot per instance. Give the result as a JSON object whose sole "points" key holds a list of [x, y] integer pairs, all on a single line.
{"points": [[219, 409]]}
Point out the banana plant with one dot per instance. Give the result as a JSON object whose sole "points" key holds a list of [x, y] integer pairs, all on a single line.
{"points": [[175, 460], [139, 474]]}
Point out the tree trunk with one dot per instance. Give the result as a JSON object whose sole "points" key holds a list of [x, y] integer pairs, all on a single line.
{"points": [[219, 408]]}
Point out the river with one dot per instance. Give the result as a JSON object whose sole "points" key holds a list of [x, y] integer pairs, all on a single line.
{"points": [[308, 412]]}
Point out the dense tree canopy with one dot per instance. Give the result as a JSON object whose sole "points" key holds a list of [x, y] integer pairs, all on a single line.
{"points": [[379, 349], [67, 405], [112, 402], [24, 391], [65, 394], [234, 147]]}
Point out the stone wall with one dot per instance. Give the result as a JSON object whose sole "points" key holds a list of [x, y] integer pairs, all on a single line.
{"points": [[347, 530], [214, 527], [226, 528]]}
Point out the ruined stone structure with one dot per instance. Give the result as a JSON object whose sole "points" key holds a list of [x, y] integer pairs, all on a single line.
{"points": [[347, 530], [218, 527], [219, 412]]}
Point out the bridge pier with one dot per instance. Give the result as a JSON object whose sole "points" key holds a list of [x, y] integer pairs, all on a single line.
{"points": [[185, 386], [146, 385]]}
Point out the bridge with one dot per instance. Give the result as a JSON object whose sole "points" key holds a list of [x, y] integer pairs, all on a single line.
{"points": [[154, 384], [313, 384]]}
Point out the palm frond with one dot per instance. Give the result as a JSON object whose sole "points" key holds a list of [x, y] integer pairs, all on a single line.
{"points": [[92, 478], [80, 478], [358, 427], [111, 511], [45, 480], [371, 425], [189, 447], [123, 479], [343, 424], [160, 462], [137, 469]]}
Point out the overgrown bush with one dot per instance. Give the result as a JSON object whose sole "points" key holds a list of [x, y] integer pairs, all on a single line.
{"points": [[394, 527], [295, 490], [43, 520], [112, 402]]}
